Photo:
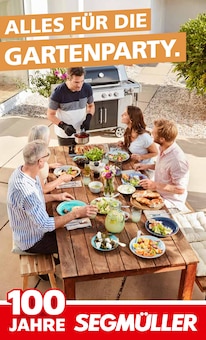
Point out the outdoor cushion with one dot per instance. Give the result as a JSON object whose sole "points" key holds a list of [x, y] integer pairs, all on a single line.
{"points": [[193, 225], [200, 250]]}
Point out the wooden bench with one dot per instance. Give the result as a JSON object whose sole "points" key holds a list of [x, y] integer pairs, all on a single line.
{"points": [[31, 265]]}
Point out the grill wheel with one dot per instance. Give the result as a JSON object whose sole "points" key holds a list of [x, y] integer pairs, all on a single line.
{"points": [[119, 132]]}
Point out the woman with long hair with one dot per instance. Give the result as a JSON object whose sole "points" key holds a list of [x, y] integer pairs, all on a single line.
{"points": [[137, 139]]}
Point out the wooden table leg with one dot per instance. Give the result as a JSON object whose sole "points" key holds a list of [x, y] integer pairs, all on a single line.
{"points": [[187, 281], [69, 289]]}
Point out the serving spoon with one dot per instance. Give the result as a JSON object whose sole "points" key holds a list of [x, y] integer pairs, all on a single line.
{"points": [[120, 243]]}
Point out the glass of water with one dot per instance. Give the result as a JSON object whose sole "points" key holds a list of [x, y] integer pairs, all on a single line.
{"points": [[86, 179], [136, 214]]}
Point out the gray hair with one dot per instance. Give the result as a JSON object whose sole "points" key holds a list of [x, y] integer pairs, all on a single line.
{"points": [[39, 132], [34, 151]]}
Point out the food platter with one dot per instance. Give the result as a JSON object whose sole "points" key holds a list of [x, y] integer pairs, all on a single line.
{"points": [[147, 247], [147, 200], [118, 156], [68, 169], [137, 205], [99, 243], [170, 227], [67, 206], [132, 177], [81, 149], [104, 204]]}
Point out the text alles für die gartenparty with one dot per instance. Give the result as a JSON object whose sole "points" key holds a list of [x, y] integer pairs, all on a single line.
{"points": [[115, 37]]}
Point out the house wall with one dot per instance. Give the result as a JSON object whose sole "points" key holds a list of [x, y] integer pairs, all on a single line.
{"points": [[11, 7], [158, 16], [167, 15], [178, 12]]}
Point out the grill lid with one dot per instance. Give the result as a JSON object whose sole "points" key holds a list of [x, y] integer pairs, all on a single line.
{"points": [[103, 75]]}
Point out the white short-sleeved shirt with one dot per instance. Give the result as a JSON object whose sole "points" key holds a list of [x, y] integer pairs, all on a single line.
{"points": [[140, 146]]}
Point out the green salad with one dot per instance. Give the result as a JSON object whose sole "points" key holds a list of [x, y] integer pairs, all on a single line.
{"points": [[159, 228], [94, 154], [104, 205]]}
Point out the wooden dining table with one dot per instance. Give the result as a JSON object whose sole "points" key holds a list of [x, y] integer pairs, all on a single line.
{"points": [[80, 261]]}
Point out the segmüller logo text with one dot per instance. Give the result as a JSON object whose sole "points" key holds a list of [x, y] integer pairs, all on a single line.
{"points": [[142, 322]]}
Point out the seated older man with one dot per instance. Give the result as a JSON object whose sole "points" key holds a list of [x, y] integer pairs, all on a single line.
{"points": [[171, 174], [33, 229]]}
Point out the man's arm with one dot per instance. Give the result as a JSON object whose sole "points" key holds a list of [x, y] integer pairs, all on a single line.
{"points": [[90, 113], [91, 108], [51, 115], [68, 129], [156, 186], [63, 196], [141, 166], [86, 211]]}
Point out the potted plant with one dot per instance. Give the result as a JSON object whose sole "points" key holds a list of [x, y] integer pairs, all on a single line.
{"points": [[42, 82]]}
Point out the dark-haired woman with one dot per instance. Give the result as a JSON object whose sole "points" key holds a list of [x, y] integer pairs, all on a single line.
{"points": [[136, 138]]}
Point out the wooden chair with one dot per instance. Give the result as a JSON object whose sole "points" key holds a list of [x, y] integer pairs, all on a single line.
{"points": [[38, 264]]}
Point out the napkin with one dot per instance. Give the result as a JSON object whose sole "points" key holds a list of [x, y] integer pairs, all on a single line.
{"points": [[72, 184], [79, 223], [156, 213]]}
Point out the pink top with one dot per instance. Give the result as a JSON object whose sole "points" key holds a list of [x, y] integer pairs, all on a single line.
{"points": [[172, 168]]}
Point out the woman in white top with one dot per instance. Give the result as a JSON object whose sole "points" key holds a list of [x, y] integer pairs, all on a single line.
{"points": [[136, 138], [42, 132]]}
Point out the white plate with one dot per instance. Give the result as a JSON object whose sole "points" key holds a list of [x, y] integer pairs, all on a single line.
{"points": [[116, 156], [160, 245], [104, 204], [61, 169], [126, 189]]}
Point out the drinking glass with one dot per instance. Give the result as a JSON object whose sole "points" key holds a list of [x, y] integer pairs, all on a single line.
{"points": [[86, 179], [136, 214]]}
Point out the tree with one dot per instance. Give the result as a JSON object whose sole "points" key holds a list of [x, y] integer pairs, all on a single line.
{"points": [[194, 68]]}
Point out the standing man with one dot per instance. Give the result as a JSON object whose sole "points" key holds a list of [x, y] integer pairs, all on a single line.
{"points": [[171, 169], [71, 106]]}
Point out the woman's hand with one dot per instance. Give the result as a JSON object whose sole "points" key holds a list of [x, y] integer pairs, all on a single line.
{"points": [[64, 196], [65, 178]]}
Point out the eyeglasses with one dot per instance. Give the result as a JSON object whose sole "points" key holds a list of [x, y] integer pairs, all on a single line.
{"points": [[44, 156]]}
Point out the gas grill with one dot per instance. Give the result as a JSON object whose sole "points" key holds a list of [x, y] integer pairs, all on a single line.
{"points": [[113, 92]]}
